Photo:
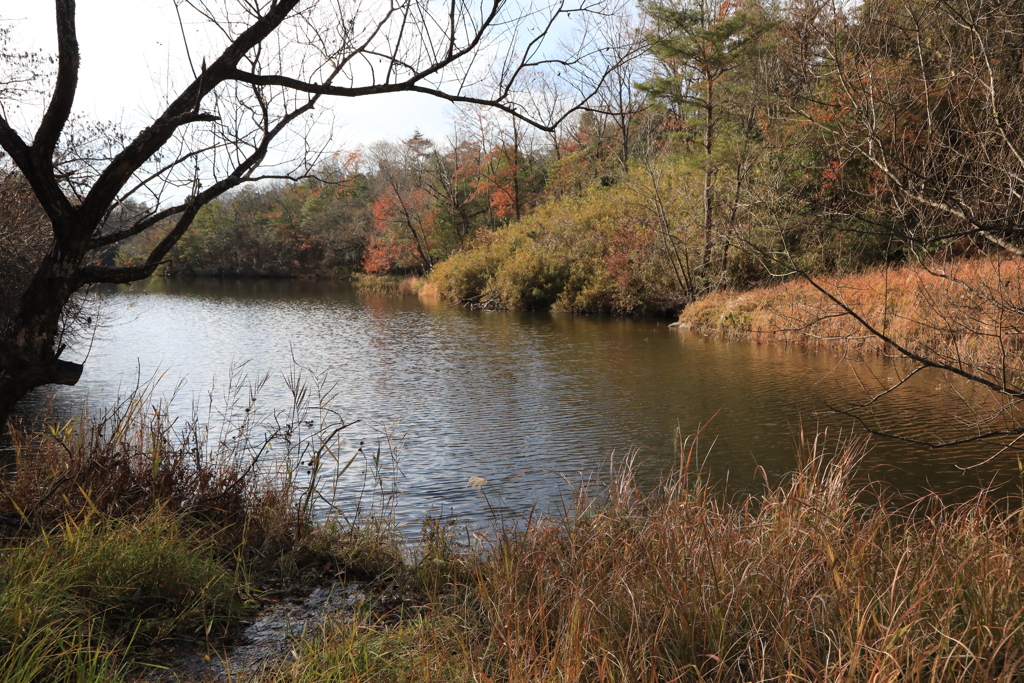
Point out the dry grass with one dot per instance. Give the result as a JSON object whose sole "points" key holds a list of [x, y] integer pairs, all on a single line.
{"points": [[806, 582], [130, 527], [126, 463], [259, 489], [390, 285], [968, 312], [802, 583]]}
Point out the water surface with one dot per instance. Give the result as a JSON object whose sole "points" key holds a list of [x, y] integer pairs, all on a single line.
{"points": [[527, 401]]}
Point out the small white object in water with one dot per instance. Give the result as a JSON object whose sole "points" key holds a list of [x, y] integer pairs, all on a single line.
{"points": [[476, 482]]}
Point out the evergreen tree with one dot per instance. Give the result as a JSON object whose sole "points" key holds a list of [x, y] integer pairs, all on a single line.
{"points": [[703, 47]]}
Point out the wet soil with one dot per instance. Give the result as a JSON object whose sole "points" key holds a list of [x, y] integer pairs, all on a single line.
{"points": [[263, 641]]}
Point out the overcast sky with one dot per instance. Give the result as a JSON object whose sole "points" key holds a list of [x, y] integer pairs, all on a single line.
{"points": [[128, 46]]}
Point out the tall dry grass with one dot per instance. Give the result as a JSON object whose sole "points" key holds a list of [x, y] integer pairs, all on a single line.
{"points": [[803, 583], [131, 527], [813, 580], [263, 484], [969, 311], [391, 285]]}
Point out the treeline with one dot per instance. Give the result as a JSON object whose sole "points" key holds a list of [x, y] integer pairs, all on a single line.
{"points": [[749, 141], [392, 207]]}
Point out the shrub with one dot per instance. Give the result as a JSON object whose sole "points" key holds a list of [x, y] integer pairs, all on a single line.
{"points": [[589, 254]]}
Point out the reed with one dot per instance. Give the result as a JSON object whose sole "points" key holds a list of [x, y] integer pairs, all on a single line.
{"points": [[131, 527], [390, 285], [967, 309], [816, 579]]}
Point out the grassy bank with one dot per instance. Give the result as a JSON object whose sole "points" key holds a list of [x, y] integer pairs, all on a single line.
{"points": [[117, 537], [966, 309], [806, 582]]}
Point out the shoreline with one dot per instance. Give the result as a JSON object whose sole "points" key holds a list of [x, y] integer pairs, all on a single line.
{"points": [[816, 571], [930, 309]]}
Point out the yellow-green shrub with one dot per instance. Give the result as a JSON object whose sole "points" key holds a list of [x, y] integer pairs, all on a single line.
{"points": [[598, 252]]}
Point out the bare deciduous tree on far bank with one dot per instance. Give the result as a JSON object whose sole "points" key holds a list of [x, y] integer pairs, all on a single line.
{"points": [[275, 63]]}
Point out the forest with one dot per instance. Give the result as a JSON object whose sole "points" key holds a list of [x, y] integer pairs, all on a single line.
{"points": [[745, 144]]}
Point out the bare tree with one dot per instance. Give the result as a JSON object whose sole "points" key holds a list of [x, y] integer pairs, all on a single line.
{"points": [[549, 99], [922, 107], [273, 62], [619, 99], [452, 189]]}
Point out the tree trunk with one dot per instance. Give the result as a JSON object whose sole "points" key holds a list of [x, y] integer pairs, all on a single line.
{"points": [[709, 180], [30, 356]]}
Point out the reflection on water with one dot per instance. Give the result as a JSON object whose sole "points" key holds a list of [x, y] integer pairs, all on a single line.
{"points": [[516, 398]]}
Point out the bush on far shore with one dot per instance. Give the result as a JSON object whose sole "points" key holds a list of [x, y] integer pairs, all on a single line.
{"points": [[594, 253]]}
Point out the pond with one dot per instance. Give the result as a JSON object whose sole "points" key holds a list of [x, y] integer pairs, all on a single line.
{"points": [[527, 401]]}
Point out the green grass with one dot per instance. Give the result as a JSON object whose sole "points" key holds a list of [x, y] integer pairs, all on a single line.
{"points": [[74, 597], [367, 649]]}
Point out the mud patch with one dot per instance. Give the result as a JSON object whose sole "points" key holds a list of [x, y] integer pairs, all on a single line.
{"points": [[268, 638]]}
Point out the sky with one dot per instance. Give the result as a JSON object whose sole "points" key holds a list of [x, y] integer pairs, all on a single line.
{"points": [[128, 47]]}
